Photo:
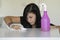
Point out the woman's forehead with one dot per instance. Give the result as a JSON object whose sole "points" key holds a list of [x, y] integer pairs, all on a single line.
{"points": [[31, 13]]}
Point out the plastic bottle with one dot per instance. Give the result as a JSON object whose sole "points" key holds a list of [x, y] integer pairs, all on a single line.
{"points": [[45, 21]]}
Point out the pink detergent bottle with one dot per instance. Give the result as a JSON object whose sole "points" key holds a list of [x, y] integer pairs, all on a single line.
{"points": [[45, 21]]}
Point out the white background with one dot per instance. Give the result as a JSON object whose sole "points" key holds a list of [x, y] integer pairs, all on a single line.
{"points": [[16, 7]]}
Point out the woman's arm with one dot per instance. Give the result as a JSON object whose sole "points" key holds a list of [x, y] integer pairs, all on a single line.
{"points": [[15, 19], [8, 20], [12, 19]]}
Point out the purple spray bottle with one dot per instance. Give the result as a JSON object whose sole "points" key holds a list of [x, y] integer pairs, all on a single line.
{"points": [[45, 21]]}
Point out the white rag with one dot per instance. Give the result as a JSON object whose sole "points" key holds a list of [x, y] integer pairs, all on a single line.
{"points": [[21, 27]]}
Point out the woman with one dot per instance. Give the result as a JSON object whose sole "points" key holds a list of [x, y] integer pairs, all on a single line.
{"points": [[31, 17]]}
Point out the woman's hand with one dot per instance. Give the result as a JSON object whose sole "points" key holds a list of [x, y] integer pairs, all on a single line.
{"points": [[16, 27]]}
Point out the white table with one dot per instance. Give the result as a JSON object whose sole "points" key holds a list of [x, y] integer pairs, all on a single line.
{"points": [[36, 32]]}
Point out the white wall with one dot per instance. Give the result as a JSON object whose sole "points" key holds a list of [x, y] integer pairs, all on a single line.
{"points": [[16, 7]]}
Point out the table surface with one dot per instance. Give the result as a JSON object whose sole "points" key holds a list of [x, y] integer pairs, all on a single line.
{"points": [[30, 32]]}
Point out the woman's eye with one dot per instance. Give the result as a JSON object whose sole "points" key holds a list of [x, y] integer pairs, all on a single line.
{"points": [[30, 17]]}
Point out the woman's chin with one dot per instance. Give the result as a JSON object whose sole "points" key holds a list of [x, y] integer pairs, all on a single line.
{"points": [[32, 24]]}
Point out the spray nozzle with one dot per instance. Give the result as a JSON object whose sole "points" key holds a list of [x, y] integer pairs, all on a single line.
{"points": [[43, 5]]}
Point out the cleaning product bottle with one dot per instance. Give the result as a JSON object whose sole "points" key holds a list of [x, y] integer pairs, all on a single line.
{"points": [[45, 21]]}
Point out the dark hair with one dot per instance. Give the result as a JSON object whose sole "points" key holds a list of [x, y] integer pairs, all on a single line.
{"points": [[32, 8]]}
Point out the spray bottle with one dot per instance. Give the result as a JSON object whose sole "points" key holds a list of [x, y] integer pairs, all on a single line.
{"points": [[45, 21]]}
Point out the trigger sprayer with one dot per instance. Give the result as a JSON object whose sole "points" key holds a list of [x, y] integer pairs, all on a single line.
{"points": [[45, 21]]}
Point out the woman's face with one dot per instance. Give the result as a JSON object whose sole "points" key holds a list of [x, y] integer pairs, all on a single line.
{"points": [[31, 18]]}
